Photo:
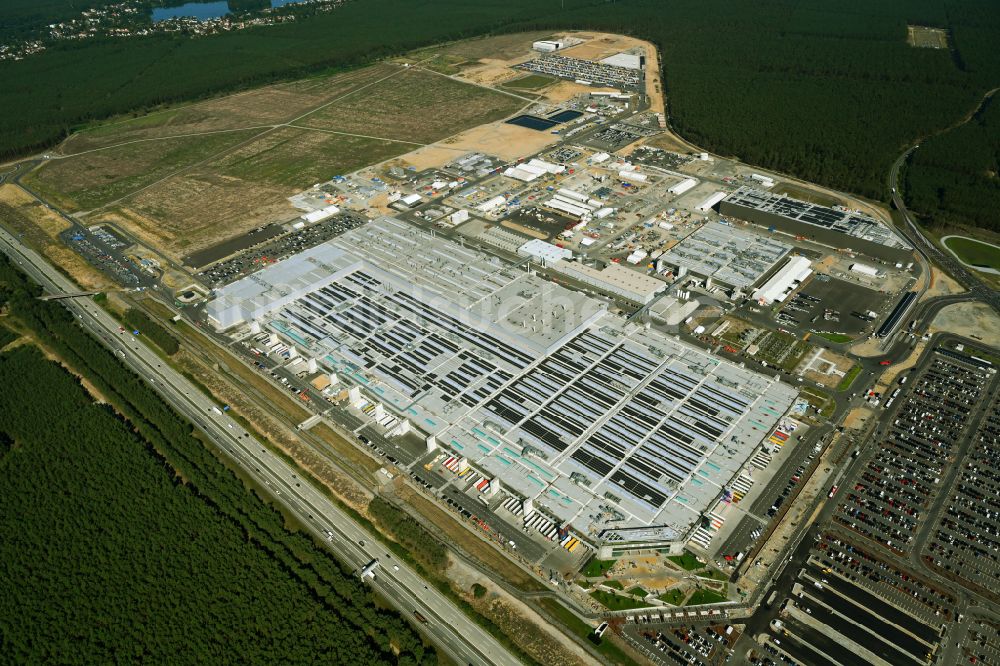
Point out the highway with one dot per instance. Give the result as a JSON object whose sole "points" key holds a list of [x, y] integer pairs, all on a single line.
{"points": [[447, 627], [929, 250]]}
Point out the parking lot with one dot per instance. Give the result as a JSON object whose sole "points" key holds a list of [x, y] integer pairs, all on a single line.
{"points": [[831, 305], [847, 605], [686, 644], [894, 489], [275, 250], [982, 644], [104, 249], [966, 541]]}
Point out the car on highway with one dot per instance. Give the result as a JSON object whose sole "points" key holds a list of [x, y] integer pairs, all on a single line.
{"points": [[885, 362], [833, 490]]}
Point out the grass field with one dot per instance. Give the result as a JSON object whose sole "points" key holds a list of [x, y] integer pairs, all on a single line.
{"points": [[686, 561], [673, 597], [597, 567], [265, 106], [973, 252], [849, 378], [581, 629], [94, 179], [638, 591], [705, 597], [414, 106], [614, 602], [833, 337]]}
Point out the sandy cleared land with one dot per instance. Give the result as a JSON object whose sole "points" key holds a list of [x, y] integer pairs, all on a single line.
{"points": [[969, 319], [23, 214], [242, 189]]}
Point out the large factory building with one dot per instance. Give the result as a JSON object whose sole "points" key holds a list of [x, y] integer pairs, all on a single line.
{"points": [[627, 435], [830, 226]]}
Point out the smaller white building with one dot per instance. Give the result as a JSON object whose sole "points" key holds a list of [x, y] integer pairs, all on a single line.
{"points": [[710, 201], [683, 186], [542, 252], [320, 215], [788, 277], [865, 269]]}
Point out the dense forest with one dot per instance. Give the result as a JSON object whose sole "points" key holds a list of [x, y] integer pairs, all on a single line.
{"points": [[137, 320], [125, 539], [830, 92], [952, 179]]}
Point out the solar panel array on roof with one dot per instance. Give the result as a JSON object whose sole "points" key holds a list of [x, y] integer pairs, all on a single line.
{"points": [[847, 222], [586, 410]]}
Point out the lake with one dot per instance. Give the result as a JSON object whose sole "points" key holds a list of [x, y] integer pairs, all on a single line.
{"points": [[202, 10]]}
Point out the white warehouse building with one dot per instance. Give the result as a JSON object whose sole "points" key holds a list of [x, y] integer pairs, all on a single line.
{"points": [[712, 200], [781, 283], [542, 252]]}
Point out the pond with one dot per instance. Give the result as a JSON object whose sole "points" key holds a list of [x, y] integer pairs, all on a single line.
{"points": [[203, 10]]}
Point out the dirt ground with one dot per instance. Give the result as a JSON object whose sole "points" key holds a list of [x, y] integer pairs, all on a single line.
{"points": [[23, 214], [828, 369], [545, 643], [943, 285], [972, 320], [889, 376], [508, 142]]}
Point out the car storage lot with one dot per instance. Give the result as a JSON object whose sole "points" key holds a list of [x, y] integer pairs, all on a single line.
{"points": [[894, 490], [966, 542], [847, 604]]}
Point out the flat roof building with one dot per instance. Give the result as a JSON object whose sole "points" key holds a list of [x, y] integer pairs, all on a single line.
{"points": [[614, 279], [542, 252], [837, 227], [727, 254], [606, 426], [785, 280]]}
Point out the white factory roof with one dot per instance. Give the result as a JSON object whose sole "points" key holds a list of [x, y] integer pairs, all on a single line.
{"points": [[281, 283], [615, 277], [532, 382], [795, 271], [321, 214], [683, 186], [711, 200], [411, 199], [543, 252], [627, 60], [491, 204]]}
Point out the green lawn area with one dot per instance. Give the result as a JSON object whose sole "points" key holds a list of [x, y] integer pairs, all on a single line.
{"points": [[638, 591], [974, 252], [713, 575], [615, 602], [615, 584], [705, 597], [578, 627], [849, 378], [673, 597], [530, 82], [687, 561], [838, 338], [597, 567]]}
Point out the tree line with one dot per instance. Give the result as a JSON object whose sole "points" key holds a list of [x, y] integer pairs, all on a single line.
{"points": [[125, 538]]}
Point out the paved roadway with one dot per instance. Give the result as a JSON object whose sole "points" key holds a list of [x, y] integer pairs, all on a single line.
{"points": [[966, 277], [453, 632]]}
